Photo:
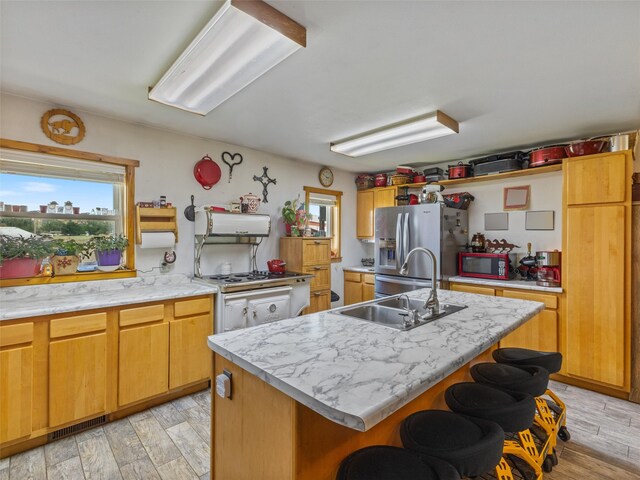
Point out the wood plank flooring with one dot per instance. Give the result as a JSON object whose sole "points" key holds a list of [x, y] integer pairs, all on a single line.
{"points": [[171, 442]]}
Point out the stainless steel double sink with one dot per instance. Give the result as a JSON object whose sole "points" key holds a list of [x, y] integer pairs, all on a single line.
{"points": [[393, 312]]}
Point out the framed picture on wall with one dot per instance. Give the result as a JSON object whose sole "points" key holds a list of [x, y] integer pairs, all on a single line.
{"points": [[516, 198]]}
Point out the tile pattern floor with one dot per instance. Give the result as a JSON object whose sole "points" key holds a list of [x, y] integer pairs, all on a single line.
{"points": [[171, 441]]}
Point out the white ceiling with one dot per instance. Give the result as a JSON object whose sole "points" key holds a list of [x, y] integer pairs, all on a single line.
{"points": [[514, 74]]}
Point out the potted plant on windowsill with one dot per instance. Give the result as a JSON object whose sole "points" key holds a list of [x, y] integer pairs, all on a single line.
{"points": [[108, 250], [22, 256], [66, 256], [294, 218]]}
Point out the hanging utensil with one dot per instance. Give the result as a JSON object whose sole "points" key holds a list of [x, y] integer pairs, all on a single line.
{"points": [[190, 211]]}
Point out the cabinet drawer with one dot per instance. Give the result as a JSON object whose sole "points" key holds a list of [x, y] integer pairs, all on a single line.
{"points": [[322, 279], [135, 316], [64, 327], [456, 287], [316, 251], [352, 277], [319, 301], [550, 301], [16, 334], [192, 307], [369, 278]]}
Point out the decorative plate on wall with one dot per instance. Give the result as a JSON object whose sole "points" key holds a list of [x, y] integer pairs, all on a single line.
{"points": [[62, 126]]}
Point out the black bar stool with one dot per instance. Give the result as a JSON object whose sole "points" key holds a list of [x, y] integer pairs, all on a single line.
{"points": [[532, 380], [552, 362], [472, 445], [513, 411], [383, 462]]}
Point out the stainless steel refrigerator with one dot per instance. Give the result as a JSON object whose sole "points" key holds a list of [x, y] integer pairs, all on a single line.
{"points": [[398, 230]]}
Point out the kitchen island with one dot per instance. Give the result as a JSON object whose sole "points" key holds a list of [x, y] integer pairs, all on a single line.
{"points": [[307, 391]]}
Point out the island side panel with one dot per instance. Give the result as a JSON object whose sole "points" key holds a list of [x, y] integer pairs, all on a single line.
{"points": [[322, 444], [253, 432]]}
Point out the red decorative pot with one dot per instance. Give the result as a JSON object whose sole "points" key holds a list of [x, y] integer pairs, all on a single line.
{"points": [[19, 267]]}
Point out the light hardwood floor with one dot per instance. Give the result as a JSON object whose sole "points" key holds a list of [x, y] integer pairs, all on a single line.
{"points": [[171, 441]]}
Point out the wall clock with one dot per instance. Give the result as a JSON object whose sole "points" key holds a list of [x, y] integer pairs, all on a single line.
{"points": [[326, 176]]}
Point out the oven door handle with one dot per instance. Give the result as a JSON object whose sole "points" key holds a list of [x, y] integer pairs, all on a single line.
{"points": [[255, 293]]}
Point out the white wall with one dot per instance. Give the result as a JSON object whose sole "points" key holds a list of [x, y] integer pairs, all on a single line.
{"points": [[166, 168]]}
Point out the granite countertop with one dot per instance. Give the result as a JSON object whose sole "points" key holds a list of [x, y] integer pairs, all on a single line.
{"points": [[357, 373], [359, 269], [37, 300], [520, 284]]}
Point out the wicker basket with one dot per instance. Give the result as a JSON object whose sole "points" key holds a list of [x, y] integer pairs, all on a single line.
{"points": [[400, 179], [364, 182]]}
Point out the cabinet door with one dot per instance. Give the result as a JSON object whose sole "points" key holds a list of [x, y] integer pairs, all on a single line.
{"points": [[189, 353], [457, 287], [352, 292], [16, 387], [77, 378], [143, 364], [368, 287], [319, 301], [364, 214], [596, 179], [594, 274], [539, 333], [384, 197], [322, 279], [316, 252]]}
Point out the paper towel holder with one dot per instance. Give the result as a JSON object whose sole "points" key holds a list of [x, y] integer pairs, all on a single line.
{"points": [[155, 220]]}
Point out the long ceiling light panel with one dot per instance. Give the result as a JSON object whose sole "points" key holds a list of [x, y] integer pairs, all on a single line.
{"points": [[414, 130], [244, 40]]}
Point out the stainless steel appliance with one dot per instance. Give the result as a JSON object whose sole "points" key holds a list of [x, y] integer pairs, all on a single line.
{"points": [[496, 266], [398, 230], [548, 274], [253, 298]]}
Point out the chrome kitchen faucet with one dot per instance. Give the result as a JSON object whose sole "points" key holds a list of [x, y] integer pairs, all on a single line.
{"points": [[432, 303]]}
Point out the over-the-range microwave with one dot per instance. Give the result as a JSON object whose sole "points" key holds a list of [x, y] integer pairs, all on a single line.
{"points": [[496, 266]]}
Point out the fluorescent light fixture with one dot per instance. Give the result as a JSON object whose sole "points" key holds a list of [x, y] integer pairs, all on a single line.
{"points": [[414, 130], [244, 40]]}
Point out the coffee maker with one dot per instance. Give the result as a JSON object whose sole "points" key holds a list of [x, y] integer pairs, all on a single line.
{"points": [[548, 274]]}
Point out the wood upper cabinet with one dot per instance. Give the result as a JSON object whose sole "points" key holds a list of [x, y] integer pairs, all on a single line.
{"points": [[143, 362], [189, 354], [596, 269], [77, 368], [596, 179], [16, 381], [367, 202]]}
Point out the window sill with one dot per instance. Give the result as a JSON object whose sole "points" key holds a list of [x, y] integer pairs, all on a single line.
{"points": [[77, 277]]}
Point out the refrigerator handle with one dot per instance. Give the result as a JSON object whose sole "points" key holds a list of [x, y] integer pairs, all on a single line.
{"points": [[399, 251], [405, 237]]}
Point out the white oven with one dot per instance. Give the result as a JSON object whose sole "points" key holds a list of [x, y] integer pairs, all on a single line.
{"points": [[254, 307]]}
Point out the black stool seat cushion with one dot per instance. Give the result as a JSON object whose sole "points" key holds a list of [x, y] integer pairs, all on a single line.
{"points": [[513, 411], [550, 361], [472, 445], [393, 463], [525, 379]]}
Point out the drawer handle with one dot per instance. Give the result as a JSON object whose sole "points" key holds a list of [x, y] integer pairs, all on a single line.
{"points": [[317, 242], [319, 268], [317, 294]]}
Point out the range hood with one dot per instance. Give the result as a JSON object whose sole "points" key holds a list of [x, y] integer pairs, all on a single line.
{"points": [[226, 227]]}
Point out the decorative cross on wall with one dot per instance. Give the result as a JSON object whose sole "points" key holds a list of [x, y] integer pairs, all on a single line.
{"points": [[265, 181]]}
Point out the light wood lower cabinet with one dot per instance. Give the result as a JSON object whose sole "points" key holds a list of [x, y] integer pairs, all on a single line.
{"points": [[319, 301], [16, 381], [539, 333], [190, 357], [59, 370], [143, 363], [358, 287]]}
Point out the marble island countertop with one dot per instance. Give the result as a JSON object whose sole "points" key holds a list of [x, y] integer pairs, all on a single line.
{"points": [[37, 300], [357, 373]]}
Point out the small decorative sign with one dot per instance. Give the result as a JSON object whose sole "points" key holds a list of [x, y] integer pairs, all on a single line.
{"points": [[62, 126]]}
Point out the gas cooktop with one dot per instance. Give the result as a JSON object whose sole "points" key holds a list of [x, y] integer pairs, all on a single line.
{"points": [[255, 279]]}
